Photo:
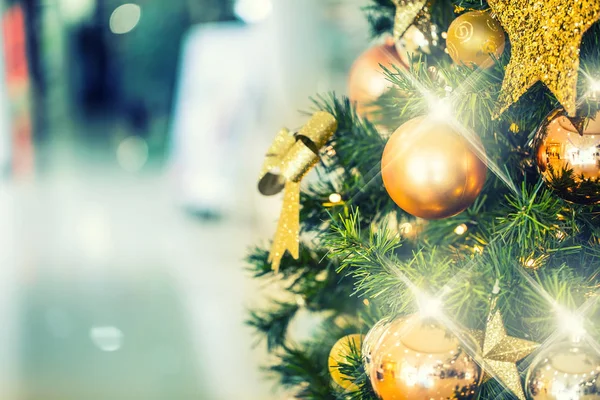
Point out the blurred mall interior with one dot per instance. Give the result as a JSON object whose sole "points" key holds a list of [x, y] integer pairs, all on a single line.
{"points": [[131, 138]]}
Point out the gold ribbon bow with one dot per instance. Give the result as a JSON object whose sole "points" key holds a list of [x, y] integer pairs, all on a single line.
{"points": [[288, 160]]}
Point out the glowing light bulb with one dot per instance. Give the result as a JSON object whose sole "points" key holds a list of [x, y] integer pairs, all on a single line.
{"points": [[429, 306], [571, 323], [530, 263], [594, 92], [461, 229], [335, 197], [439, 109]]}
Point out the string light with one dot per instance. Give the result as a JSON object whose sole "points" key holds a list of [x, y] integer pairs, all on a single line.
{"points": [[439, 109], [461, 229], [335, 198], [571, 323], [429, 306], [594, 88]]}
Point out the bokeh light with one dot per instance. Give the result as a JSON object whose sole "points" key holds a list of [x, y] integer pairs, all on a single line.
{"points": [[94, 233], [335, 197], [132, 153], [124, 18], [253, 11], [107, 338], [76, 10], [461, 229]]}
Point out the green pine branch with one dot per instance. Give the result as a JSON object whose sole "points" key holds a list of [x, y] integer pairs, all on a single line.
{"points": [[362, 266]]}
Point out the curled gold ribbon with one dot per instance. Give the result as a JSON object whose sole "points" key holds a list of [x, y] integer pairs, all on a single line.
{"points": [[288, 160]]}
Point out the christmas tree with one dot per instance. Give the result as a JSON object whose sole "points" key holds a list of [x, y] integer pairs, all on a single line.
{"points": [[451, 236]]}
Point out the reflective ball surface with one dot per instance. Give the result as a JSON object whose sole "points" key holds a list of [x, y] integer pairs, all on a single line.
{"points": [[371, 341], [567, 154], [565, 371], [367, 80], [430, 170], [416, 359], [472, 37]]}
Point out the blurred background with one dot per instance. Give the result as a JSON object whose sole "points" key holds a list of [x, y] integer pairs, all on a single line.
{"points": [[131, 138]]}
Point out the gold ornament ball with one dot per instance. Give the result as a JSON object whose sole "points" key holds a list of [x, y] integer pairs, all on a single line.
{"points": [[564, 371], [367, 81], [472, 37], [371, 341], [569, 161], [338, 355], [417, 359], [429, 169]]}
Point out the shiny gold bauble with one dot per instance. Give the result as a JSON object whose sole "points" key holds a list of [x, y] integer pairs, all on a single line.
{"points": [[367, 81], [472, 37], [569, 161], [429, 169], [568, 371], [338, 355], [371, 341], [416, 359]]}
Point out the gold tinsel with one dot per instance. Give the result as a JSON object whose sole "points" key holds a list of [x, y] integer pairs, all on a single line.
{"points": [[545, 36]]}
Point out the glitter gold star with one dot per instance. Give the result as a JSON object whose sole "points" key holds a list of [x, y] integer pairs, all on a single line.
{"points": [[502, 352], [545, 36], [406, 12]]}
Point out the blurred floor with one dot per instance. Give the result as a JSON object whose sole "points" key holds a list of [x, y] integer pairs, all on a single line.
{"points": [[120, 294], [108, 288]]}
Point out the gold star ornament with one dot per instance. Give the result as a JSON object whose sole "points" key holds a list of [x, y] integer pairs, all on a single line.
{"points": [[406, 13], [545, 36], [502, 352]]}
